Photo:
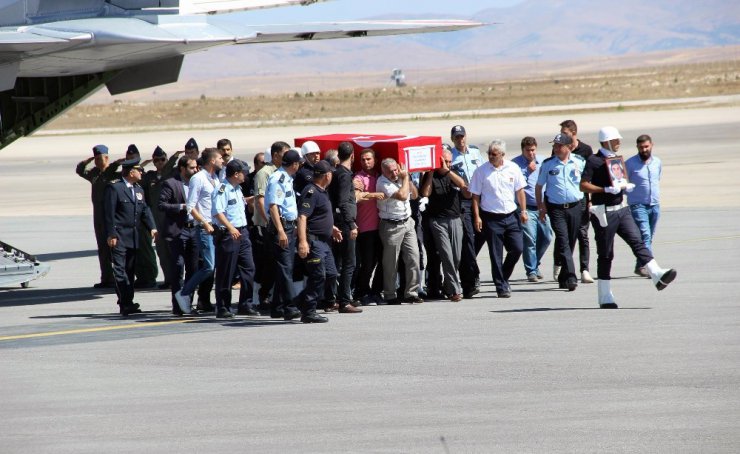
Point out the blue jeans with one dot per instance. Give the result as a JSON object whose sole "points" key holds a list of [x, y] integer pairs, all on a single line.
{"points": [[537, 237], [646, 218], [208, 253]]}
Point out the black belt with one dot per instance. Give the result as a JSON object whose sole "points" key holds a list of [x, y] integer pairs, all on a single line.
{"points": [[191, 224], [287, 222], [564, 206], [396, 221]]}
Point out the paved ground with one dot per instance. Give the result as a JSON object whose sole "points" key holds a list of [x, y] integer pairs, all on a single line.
{"points": [[544, 371]]}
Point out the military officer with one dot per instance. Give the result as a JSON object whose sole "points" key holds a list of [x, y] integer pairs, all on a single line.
{"points": [[231, 238], [99, 176], [146, 260], [125, 211], [315, 231], [282, 213]]}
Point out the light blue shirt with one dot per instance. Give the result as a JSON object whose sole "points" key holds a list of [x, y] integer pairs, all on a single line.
{"points": [[646, 178], [200, 188], [229, 200], [465, 164], [530, 176], [562, 180], [280, 192]]}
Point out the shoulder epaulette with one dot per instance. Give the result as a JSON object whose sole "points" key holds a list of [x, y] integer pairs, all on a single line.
{"points": [[222, 188], [547, 159], [577, 157], [282, 178]]}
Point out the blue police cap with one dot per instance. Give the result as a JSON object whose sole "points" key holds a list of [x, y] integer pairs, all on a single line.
{"points": [[235, 166], [129, 163], [457, 130], [322, 167], [159, 153], [291, 157], [132, 149], [100, 149]]}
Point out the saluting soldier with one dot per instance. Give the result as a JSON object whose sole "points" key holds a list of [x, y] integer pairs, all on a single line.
{"points": [[125, 211], [315, 231], [231, 238], [99, 176]]}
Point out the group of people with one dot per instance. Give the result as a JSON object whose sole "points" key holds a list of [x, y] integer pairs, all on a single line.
{"points": [[313, 233]]}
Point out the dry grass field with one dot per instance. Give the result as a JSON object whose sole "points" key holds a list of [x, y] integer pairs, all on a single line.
{"points": [[664, 82]]}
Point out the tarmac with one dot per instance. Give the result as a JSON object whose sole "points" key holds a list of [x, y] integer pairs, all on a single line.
{"points": [[543, 371]]}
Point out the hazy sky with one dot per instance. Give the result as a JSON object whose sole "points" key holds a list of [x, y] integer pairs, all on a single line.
{"points": [[357, 9]]}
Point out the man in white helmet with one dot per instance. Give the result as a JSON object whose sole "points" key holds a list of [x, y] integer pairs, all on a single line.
{"points": [[611, 216]]}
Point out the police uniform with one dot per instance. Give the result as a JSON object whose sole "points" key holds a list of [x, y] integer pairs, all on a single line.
{"points": [[563, 194], [465, 164], [303, 177], [125, 211], [232, 255], [316, 207], [99, 181], [280, 192]]}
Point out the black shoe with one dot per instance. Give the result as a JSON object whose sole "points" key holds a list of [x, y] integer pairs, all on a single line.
{"points": [[470, 293], [205, 306], [291, 314], [264, 307], [144, 285], [609, 306], [276, 314], [164, 286], [571, 286], [224, 313], [355, 302], [314, 318], [105, 285], [393, 302], [246, 310], [433, 296], [666, 279], [130, 309], [504, 294], [413, 300]]}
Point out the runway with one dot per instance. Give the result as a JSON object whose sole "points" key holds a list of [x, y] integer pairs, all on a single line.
{"points": [[543, 371]]}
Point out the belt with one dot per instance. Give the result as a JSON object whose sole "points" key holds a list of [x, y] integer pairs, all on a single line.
{"points": [[532, 207], [565, 206], [617, 207], [191, 224], [395, 221], [287, 222]]}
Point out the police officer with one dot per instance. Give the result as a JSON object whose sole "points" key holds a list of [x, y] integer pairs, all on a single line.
{"points": [[465, 160], [231, 237], [611, 216], [560, 174], [282, 212], [315, 231], [125, 211], [312, 155], [99, 176]]}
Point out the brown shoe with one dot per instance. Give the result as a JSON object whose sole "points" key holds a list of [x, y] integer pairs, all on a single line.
{"points": [[456, 298], [349, 309], [334, 307]]}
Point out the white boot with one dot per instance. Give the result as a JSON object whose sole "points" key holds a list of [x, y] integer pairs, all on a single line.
{"points": [[661, 277], [606, 298]]}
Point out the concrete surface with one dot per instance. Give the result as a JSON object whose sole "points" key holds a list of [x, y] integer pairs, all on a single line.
{"points": [[544, 371]]}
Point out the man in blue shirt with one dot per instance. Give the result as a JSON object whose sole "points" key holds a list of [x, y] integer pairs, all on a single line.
{"points": [[231, 238], [536, 232], [560, 175], [644, 171], [282, 213], [465, 160]]}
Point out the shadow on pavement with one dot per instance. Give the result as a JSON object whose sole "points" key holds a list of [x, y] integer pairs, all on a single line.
{"points": [[547, 309], [53, 256], [30, 297]]}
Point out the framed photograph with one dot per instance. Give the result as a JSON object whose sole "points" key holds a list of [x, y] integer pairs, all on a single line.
{"points": [[617, 170]]}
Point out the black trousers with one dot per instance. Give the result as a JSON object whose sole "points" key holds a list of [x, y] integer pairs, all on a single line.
{"points": [[472, 244], [319, 267], [184, 255], [234, 256], [619, 222], [101, 238], [584, 248], [565, 224], [282, 295], [503, 231], [264, 259], [124, 264], [369, 258], [344, 259]]}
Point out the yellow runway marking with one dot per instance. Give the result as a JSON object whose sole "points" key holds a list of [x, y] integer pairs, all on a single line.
{"points": [[93, 330]]}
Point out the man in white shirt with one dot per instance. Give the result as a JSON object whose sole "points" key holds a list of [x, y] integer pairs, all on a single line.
{"points": [[497, 187], [398, 231], [200, 188]]}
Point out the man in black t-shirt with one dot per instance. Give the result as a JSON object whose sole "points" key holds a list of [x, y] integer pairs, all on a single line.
{"points": [[611, 216], [442, 187]]}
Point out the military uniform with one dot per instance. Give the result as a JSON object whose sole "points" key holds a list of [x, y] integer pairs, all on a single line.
{"points": [[99, 181]]}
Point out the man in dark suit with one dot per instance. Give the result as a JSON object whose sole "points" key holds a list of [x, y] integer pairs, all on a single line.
{"points": [[179, 229], [125, 210]]}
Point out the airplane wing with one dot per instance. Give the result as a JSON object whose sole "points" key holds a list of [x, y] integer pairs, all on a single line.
{"points": [[221, 6]]}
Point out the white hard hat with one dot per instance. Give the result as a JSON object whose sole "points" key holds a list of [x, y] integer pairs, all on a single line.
{"points": [[608, 133], [309, 147]]}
